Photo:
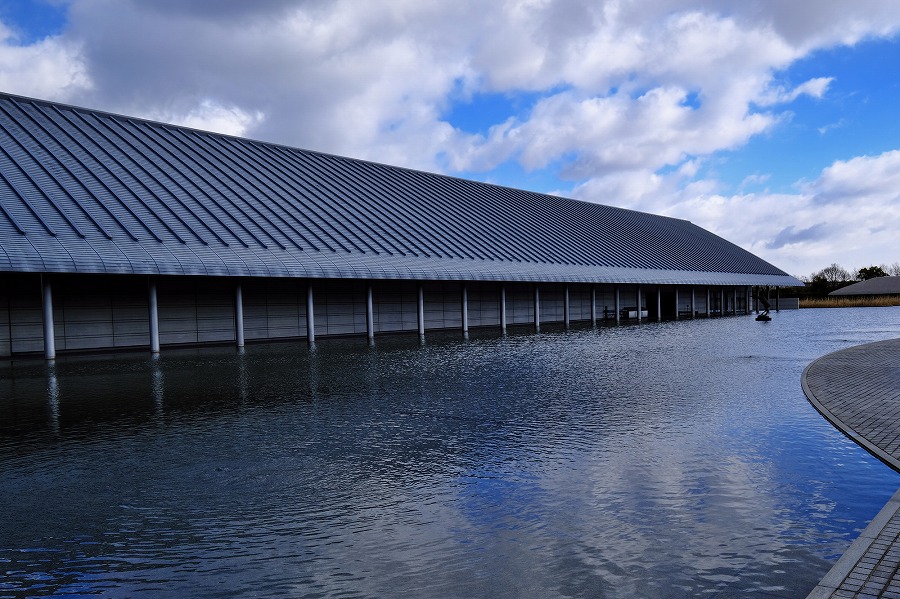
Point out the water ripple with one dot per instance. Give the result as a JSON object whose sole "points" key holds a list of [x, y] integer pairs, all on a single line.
{"points": [[661, 460]]}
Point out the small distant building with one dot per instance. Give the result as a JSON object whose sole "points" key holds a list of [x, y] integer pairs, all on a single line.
{"points": [[117, 232], [871, 287]]}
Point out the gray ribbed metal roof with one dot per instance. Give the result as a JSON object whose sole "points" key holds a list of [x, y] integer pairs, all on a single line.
{"points": [[87, 191], [876, 286]]}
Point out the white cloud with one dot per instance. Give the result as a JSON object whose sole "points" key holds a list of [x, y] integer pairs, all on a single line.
{"points": [[209, 115], [852, 208], [52, 68], [621, 84], [754, 179], [814, 88], [824, 129]]}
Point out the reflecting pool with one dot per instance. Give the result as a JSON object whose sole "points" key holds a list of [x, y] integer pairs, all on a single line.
{"points": [[657, 460]]}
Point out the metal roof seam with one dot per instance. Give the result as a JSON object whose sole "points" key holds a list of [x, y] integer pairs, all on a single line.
{"points": [[182, 163], [169, 175], [525, 212], [24, 200], [240, 176], [12, 219], [111, 166], [247, 195], [288, 196], [145, 167], [527, 203], [62, 188], [512, 252], [135, 176], [408, 220], [266, 199], [335, 227], [47, 197], [101, 182], [235, 195], [446, 208], [452, 247], [387, 217], [364, 237], [59, 157], [344, 177], [486, 236]]}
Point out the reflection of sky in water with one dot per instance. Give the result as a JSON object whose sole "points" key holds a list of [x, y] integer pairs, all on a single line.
{"points": [[662, 460]]}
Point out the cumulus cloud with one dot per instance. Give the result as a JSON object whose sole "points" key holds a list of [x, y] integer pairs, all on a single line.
{"points": [[52, 68], [353, 78], [210, 115], [619, 84], [852, 207]]}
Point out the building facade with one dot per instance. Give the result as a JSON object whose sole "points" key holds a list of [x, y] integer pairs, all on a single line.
{"points": [[117, 232]]}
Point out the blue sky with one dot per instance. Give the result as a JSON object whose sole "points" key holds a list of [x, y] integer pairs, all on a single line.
{"points": [[767, 123], [33, 21], [858, 116]]}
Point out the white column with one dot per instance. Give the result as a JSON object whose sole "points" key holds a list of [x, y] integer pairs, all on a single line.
{"points": [[421, 312], [676, 303], [370, 315], [637, 295], [238, 315], [618, 305], [566, 307], [537, 308], [593, 305], [465, 310], [49, 334], [708, 297], [734, 301], [659, 304], [503, 308], [154, 318], [693, 303], [310, 317]]}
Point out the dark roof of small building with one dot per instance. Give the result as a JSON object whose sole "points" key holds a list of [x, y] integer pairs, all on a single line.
{"points": [[876, 286], [88, 191]]}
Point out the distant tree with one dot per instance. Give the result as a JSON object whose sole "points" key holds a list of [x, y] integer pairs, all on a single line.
{"points": [[835, 274], [894, 269], [818, 285], [828, 279], [870, 272]]}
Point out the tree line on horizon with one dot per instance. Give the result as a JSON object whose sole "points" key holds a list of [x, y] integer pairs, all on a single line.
{"points": [[835, 276]]}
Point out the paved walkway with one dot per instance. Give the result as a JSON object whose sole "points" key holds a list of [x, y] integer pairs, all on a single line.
{"points": [[858, 390]]}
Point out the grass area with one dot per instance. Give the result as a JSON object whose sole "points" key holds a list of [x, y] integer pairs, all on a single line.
{"points": [[851, 302]]}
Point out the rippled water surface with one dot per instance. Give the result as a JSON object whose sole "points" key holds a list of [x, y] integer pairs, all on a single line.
{"points": [[660, 460]]}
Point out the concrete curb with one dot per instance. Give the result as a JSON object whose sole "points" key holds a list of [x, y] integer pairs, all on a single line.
{"points": [[866, 568]]}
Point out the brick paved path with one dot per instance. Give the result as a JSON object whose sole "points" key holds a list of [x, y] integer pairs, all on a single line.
{"points": [[858, 390]]}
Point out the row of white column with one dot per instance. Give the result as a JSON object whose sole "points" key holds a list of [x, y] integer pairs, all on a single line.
{"points": [[153, 305]]}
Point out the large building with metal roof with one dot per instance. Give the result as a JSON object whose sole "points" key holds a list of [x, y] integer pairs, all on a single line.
{"points": [[121, 232]]}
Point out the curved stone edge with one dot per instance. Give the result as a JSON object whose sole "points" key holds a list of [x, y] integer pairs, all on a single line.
{"points": [[848, 561], [835, 421], [859, 549]]}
